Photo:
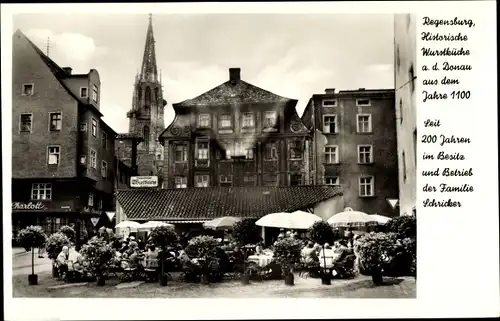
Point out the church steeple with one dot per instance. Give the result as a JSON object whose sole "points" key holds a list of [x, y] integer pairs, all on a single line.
{"points": [[149, 71]]}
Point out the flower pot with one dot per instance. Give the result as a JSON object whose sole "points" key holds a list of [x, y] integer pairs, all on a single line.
{"points": [[33, 279], [204, 279], [163, 279], [289, 279], [377, 276], [326, 279], [101, 280], [245, 279]]}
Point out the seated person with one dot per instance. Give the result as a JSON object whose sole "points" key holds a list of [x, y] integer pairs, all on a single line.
{"points": [[62, 260], [132, 246], [223, 260], [135, 258], [238, 258], [259, 249], [326, 256], [309, 253], [150, 256], [124, 247]]}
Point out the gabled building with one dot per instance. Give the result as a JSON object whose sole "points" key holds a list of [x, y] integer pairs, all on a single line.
{"points": [[356, 146], [63, 160], [236, 134]]}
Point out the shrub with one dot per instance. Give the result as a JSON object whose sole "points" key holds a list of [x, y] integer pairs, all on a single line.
{"points": [[287, 253], [321, 232], [245, 232], [203, 248], [31, 237], [403, 226], [55, 244], [372, 250], [69, 232], [98, 254], [164, 237]]}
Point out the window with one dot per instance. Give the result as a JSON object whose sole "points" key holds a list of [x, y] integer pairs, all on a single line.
{"points": [[330, 124], [83, 127], [331, 154], [201, 180], [226, 180], [295, 149], [332, 180], [270, 119], [225, 121], [55, 121], [364, 123], [91, 199], [180, 182], [139, 93], [366, 186], [83, 159], [270, 151], [181, 153], [411, 76], [204, 120], [329, 103], [145, 135], [147, 96], [249, 152], [249, 180], [28, 89], [248, 120], [202, 150], [363, 102], [84, 92], [41, 191], [400, 110], [156, 95], [94, 127], [104, 140], [364, 154], [104, 169], [26, 122], [228, 149], [54, 152], [404, 166], [95, 93], [93, 158], [295, 180]]}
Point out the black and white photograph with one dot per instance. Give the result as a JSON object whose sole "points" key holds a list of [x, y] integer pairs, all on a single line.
{"points": [[160, 155]]}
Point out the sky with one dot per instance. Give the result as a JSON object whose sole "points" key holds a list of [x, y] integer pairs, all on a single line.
{"points": [[294, 56]]}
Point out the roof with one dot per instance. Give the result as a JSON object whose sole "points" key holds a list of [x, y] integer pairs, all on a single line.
{"points": [[233, 91], [212, 202]]}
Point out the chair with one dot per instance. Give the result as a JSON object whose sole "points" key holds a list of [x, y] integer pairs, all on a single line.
{"points": [[129, 273], [151, 269], [345, 267]]}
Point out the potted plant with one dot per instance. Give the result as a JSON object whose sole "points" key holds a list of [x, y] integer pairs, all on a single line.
{"points": [[374, 251], [204, 250], [99, 255], [30, 238], [163, 237], [287, 254], [321, 232], [55, 243], [69, 232], [245, 232]]}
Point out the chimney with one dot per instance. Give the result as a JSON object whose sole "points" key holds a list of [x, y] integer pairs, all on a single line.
{"points": [[68, 70], [234, 74], [330, 91]]}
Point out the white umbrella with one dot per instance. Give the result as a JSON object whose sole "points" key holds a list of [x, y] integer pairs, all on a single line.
{"points": [[151, 225], [380, 218], [128, 224], [296, 220], [350, 218], [222, 223]]}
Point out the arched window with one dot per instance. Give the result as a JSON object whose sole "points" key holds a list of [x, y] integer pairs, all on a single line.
{"points": [[139, 93], [145, 135], [148, 96], [156, 94]]}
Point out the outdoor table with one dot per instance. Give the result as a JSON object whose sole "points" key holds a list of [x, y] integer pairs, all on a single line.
{"points": [[262, 260]]}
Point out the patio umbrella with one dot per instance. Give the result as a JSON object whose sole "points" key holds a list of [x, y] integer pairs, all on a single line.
{"points": [[151, 225], [380, 218], [128, 224], [350, 218], [222, 223], [296, 220]]}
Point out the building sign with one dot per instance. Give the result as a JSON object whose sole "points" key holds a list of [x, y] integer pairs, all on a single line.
{"points": [[144, 181], [28, 206], [94, 220], [92, 210]]}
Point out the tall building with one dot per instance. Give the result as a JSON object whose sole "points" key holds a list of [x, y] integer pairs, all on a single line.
{"points": [[63, 161], [236, 135], [146, 118], [355, 146], [405, 105]]}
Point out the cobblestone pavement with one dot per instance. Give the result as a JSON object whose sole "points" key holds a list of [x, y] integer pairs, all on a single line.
{"points": [[21, 262]]}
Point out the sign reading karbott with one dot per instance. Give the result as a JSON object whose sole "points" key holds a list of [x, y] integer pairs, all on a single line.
{"points": [[144, 181]]}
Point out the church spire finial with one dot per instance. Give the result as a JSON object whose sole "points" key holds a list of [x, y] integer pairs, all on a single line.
{"points": [[149, 71]]}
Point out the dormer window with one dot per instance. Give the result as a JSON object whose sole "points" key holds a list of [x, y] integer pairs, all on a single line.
{"points": [[204, 120], [329, 103], [225, 121], [270, 119], [28, 89], [363, 102], [95, 93]]}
